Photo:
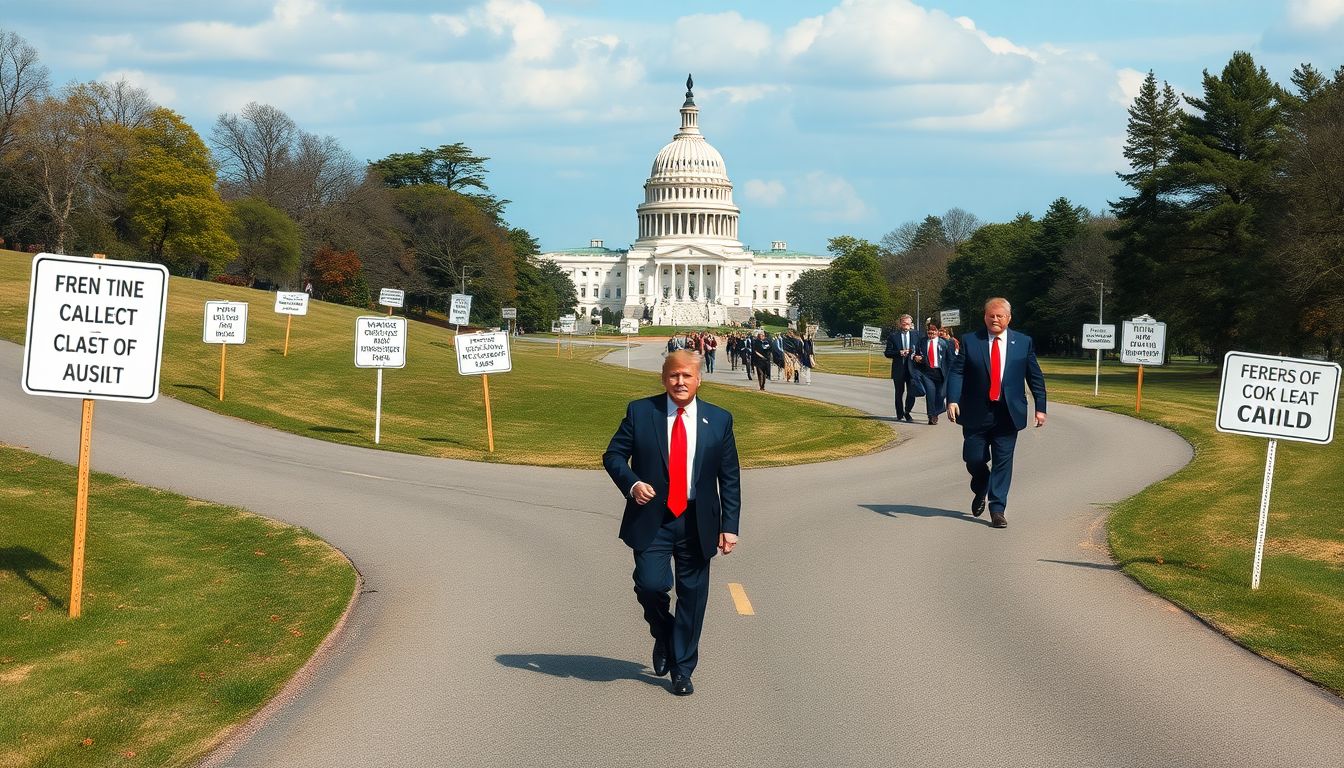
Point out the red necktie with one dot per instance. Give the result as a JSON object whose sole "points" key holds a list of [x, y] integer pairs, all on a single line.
{"points": [[676, 488], [995, 377], [933, 361]]}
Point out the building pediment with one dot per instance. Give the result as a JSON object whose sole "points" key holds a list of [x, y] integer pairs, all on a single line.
{"points": [[690, 253]]}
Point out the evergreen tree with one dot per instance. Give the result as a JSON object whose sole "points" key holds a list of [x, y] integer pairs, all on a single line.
{"points": [[1038, 267], [858, 293]]}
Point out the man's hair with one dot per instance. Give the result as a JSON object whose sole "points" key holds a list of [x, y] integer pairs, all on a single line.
{"points": [[999, 300], [681, 357], [907, 317]]}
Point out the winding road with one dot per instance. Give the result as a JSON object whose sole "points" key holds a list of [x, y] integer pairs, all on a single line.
{"points": [[498, 627]]}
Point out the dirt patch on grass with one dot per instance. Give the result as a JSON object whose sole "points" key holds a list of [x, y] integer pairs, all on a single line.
{"points": [[1321, 550], [17, 674]]}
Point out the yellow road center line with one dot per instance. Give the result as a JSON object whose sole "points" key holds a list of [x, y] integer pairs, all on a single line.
{"points": [[740, 600]]}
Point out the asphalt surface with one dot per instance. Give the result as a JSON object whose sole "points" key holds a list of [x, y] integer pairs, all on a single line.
{"points": [[498, 626]]}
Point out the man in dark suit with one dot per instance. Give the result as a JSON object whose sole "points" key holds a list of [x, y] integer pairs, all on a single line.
{"points": [[931, 361], [987, 396], [674, 458], [901, 344]]}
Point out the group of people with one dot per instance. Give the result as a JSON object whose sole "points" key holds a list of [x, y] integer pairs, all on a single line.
{"points": [[674, 458], [704, 343], [919, 366], [785, 356]]}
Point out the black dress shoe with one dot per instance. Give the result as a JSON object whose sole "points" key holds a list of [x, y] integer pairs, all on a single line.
{"points": [[681, 685], [660, 665], [978, 505], [997, 520], [909, 419]]}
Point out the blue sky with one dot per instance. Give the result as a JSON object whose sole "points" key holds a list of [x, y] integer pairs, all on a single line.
{"points": [[834, 117]]}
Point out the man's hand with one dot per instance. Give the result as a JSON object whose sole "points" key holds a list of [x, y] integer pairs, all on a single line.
{"points": [[1040, 418], [642, 493], [726, 542], [953, 411]]}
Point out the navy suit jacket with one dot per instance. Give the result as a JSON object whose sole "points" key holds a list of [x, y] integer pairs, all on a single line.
{"points": [[902, 366], [968, 383], [638, 452], [945, 355]]}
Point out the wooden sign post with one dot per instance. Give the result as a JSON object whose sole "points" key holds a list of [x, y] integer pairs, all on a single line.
{"points": [[225, 324], [484, 353], [95, 332], [290, 303], [1144, 343], [871, 335]]}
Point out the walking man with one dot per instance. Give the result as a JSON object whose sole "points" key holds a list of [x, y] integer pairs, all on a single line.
{"points": [[900, 348], [674, 457], [986, 393]]}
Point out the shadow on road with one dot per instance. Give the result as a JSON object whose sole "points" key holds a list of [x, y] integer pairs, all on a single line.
{"points": [[1083, 564], [897, 510], [21, 560], [596, 669]]}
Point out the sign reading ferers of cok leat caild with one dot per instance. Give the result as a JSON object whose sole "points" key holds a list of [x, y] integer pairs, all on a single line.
{"points": [[1281, 398]]}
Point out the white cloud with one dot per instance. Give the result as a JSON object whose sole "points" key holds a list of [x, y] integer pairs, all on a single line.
{"points": [[744, 94], [827, 197], [1130, 82], [720, 42], [1312, 15], [157, 89], [767, 193]]}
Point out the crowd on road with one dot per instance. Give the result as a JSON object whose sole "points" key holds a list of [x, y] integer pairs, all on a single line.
{"points": [[785, 356]]}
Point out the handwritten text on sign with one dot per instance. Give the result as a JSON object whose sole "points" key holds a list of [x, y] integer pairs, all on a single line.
{"points": [[483, 353], [95, 328], [380, 342], [291, 302], [1279, 397], [872, 334], [1098, 336], [1144, 343], [392, 297], [225, 322]]}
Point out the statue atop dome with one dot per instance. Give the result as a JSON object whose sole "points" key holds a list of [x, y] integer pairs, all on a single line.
{"points": [[690, 97]]}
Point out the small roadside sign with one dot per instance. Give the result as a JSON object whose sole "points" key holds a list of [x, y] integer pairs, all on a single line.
{"points": [[1096, 336], [567, 324], [225, 322], [555, 326], [1281, 398], [380, 342], [1278, 397], [1144, 342], [392, 297], [949, 318], [872, 334], [630, 326], [509, 313], [459, 310], [95, 328], [483, 353], [291, 303], [812, 329]]}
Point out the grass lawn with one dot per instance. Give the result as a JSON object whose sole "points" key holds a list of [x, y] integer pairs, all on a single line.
{"points": [[1191, 537], [194, 615], [552, 411]]}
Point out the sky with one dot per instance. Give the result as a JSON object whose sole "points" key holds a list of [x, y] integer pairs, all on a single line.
{"points": [[834, 117]]}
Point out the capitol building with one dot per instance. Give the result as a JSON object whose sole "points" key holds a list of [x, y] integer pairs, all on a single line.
{"points": [[687, 266]]}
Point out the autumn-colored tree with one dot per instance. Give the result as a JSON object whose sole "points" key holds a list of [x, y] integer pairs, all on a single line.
{"points": [[338, 276]]}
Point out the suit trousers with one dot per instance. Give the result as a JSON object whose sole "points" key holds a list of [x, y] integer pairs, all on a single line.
{"points": [[935, 392], [676, 544], [987, 449], [905, 393]]}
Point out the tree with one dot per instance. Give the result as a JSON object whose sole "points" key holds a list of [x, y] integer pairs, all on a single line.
{"points": [[175, 212], [268, 242], [452, 166], [1085, 270], [23, 81], [984, 264], [255, 148], [811, 293], [338, 276], [1225, 178], [858, 292], [1038, 267], [59, 153], [1149, 221]]}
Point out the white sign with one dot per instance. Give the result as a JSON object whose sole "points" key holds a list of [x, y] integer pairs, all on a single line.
{"points": [[392, 297], [509, 313], [291, 302], [872, 334], [630, 326], [555, 326], [812, 329], [483, 353], [949, 318], [380, 342], [225, 322], [1098, 336], [1144, 343], [1278, 397], [459, 311], [95, 328], [567, 324]]}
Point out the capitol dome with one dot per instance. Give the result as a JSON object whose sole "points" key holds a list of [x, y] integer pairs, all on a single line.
{"points": [[688, 196]]}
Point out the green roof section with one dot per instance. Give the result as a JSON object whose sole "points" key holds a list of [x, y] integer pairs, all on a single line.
{"points": [[590, 251], [789, 255]]}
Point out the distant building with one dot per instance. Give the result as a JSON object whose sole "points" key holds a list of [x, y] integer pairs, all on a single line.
{"points": [[687, 266]]}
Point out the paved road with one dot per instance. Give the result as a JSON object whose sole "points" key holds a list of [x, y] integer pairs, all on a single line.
{"points": [[499, 629]]}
